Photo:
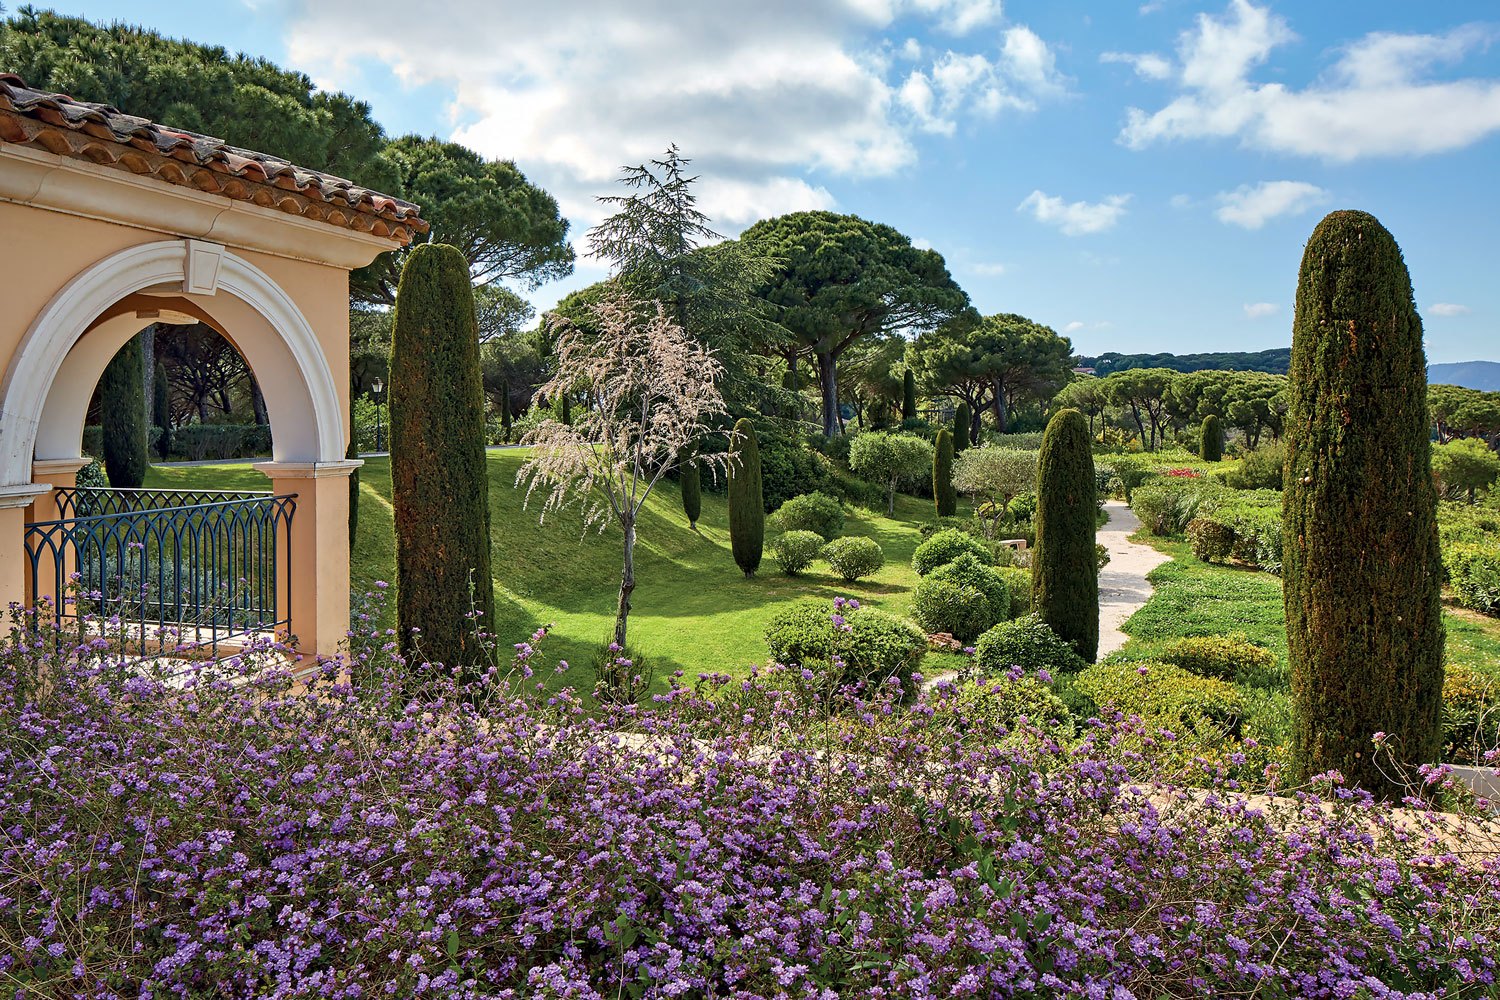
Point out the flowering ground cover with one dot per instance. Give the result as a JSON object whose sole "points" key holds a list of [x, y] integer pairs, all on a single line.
{"points": [[693, 608], [235, 836]]}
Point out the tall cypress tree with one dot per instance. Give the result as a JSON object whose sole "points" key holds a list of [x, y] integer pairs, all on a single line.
{"points": [[692, 490], [567, 411], [122, 406], [161, 411], [962, 418], [353, 452], [747, 512], [908, 396], [1211, 439], [1364, 624], [1064, 568], [944, 496], [439, 486]]}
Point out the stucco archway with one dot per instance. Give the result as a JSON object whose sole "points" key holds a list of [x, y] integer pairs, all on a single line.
{"points": [[55, 368]]}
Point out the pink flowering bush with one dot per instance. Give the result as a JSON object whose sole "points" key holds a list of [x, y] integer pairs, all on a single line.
{"points": [[233, 833]]}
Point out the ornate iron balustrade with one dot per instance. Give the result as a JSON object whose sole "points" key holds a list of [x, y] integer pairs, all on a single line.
{"points": [[165, 570]]}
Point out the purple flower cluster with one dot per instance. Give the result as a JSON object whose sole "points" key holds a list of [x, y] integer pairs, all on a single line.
{"points": [[238, 834]]}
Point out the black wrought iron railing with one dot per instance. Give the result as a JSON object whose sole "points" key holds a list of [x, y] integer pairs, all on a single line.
{"points": [[165, 570]]}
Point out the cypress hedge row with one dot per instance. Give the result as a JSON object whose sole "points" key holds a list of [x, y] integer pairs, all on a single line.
{"points": [[747, 515], [908, 395], [1362, 567], [161, 410], [1064, 567], [944, 496], [439, 486], [1211, 439], [122, 405]]}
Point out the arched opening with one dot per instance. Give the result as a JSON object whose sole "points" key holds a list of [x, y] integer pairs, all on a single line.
{"points": [[193, 570]]}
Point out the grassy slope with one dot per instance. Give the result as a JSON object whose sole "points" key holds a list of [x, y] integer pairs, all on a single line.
{"points": [[693, 609]]}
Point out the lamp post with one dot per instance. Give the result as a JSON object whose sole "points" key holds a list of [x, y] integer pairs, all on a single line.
{"points": [[375, 390]]}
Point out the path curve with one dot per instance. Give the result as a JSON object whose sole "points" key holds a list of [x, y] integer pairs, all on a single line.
{"points": [[1122, 584]]}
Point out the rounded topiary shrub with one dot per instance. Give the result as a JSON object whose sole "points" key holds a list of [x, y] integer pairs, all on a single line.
{"points": [[1018, 582], [1210, 539], [1211, 439], [991, 709], [1028, 643], [945, 546], [816, 511], [854, 558], [948, 606], [873, 646], [970, 572], [1166, 696], [796, 550], [1223, 657]]}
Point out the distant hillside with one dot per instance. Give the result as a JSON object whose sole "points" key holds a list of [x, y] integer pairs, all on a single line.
{"points": [[1274, 361], [1484, 375]]}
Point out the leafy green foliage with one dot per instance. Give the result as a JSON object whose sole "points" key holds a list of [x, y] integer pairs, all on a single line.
{"points": [[1018, 582], [1474, 571], [993, 588], [795, 550], [945, 497], [987, 710], [889, 459], [440, 491], [747, 512], [854, 558], [692, 491], [950, 607], [122, 402], [873, 646], [1064, 567], [994, 363], [1166, 696], [816, 512], [1212, 540], [1363, 570], [1274, 361], [1464, 467], [1027, 643], [1260, 469], [1223, 657], [947, 545]]}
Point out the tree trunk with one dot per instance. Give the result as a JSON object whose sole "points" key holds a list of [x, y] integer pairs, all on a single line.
{"points": [[890, 500], [999, 407], [830, 389], [974, 414], [627, 584], [258, 403]]}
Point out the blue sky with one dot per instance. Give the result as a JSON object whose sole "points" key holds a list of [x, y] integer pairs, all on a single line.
{"points": [[1140, 176]]}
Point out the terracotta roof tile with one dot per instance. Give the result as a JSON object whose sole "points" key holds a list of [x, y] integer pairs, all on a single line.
{"points": [[106, 135]]}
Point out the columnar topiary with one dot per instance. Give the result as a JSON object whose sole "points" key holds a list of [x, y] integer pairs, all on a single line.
{"points": [[747, 515], [1064, 570], [161, 411], [353, 452], [908, 395], [944, 496], [1211, 439], [962, 418], [566, 414], [440, 489], [692, 491], [1362, 567], [505, 411], [122, 406]]}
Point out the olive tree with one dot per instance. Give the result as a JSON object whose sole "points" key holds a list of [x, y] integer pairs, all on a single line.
{"points": [[890, 459], [994, 477]]}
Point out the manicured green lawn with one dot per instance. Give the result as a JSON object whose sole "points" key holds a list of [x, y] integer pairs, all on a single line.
{"points": [[693, 609]]}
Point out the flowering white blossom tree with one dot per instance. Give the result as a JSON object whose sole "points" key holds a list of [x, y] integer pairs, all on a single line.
{"points": [[650, 392]]}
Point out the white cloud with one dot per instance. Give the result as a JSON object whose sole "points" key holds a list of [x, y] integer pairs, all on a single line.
{"points": [[1448, 309], [1074, 326], [1251, 206], [1149, 65], [759, 95], [1260, 310], [1377, 99], [1151, 7], [1181, 201], [988, 270], [1078, 217]]}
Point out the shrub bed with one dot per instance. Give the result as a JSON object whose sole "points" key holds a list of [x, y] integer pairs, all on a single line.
{"points": [[947, 545], [796, 550], [870, 645], [1474, 572], [854, 558], [816, 512], [1027, 644]]}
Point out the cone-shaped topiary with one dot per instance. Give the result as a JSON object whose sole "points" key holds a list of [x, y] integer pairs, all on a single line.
{"points": [[961, 420], [353, 452], [692, 490], [1064, 568], [1211, 439], [505, 410], [122, 406], [944, 496], [747, 513], [161, 411], [1362, 568], [566, 414], [908, 395], [439, 487]]}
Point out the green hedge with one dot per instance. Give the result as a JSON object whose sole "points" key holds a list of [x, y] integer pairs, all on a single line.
{"points": [[1473, 570], [876, 646], [945, 546], [951, 607], [816, 512], [1166, 696], [199, 442], [1027, 643]]}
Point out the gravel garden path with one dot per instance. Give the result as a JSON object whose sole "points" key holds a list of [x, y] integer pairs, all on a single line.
{"points": [[1122, 583]]}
